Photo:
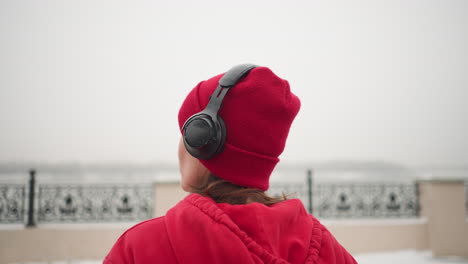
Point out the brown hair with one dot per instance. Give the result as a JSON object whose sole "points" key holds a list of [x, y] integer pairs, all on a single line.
{"points": [[222, 191]]}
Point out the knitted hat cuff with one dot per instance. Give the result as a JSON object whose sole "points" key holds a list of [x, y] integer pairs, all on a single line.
{"points": [[238, 160], [232, 164]]}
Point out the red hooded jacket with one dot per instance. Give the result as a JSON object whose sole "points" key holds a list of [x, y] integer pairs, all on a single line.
{"points": [[198, 230]]}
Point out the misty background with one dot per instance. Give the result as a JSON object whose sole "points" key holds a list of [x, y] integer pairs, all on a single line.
{"points": [[382, 83]]}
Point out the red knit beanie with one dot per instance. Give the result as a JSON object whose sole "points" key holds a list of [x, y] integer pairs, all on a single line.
{"points": [[258, 112]]}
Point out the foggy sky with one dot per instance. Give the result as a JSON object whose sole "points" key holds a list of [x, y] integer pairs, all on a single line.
{"points": [[98, 81]]}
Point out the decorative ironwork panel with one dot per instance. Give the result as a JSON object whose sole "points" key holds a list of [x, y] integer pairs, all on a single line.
{"points": [[94, 203], [12, 203], [384, 200], [291, 190]]}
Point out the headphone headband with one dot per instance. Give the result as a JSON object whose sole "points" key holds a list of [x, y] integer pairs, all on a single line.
{"points": [[229, 79]]}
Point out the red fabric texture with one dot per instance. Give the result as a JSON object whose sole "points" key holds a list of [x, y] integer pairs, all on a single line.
{"points": [[258, 112], [197, 230]]}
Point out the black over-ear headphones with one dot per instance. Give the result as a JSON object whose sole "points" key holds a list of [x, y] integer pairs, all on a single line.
{"points": [[205, 133]]}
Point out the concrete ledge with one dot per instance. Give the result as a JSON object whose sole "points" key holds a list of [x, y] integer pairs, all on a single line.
{"points": [[381, 235], [50, 244]]}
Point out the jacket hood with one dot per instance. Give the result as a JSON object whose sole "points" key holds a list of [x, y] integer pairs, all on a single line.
{"points": [[202, 231]]}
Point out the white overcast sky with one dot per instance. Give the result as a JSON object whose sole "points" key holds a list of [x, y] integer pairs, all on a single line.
{"points": [[102, 81]]}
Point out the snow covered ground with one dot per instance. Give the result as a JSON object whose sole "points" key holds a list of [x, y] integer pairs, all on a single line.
{"points": [[400, 257], [406, 257]]}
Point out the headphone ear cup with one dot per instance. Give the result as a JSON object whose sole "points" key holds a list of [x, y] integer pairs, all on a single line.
{"points": [[204, 136], [222, 137]]}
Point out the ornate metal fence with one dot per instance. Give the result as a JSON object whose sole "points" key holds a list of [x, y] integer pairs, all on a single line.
{"points": [[12, 203], [94, 203], [351, 200], [290, 190], [379, 200], [47, 203], [50, 203]]}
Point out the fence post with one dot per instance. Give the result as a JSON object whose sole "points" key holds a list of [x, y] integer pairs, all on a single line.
{"points": [[309, 189], [32, 189]]}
